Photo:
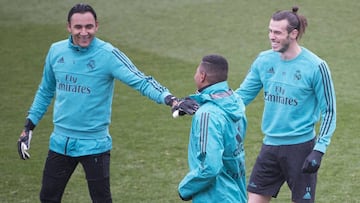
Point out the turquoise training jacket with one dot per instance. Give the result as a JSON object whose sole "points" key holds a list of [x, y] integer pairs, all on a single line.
{"points": [[82, 82], [216, 155], [296, 94]]}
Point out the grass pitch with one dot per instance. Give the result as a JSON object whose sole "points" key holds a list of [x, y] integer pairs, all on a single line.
{"points": [[166, 39]]}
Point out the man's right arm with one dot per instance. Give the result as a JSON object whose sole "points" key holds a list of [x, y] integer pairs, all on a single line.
{"points": [[42, 100], [44, 94], [250, 87]]}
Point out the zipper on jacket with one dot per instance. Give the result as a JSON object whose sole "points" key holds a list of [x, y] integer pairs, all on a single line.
{"points": [[66, 145]]}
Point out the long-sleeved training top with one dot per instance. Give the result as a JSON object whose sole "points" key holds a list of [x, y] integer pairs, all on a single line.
{"points": [[82, 81], [296, 93]]}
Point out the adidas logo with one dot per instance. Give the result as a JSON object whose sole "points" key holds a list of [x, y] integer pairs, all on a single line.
{"points": [[307, 194], [271, 70], [252, 184], [61, 60]]}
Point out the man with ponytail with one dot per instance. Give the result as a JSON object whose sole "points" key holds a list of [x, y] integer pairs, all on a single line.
{"points": [[298, 92]]}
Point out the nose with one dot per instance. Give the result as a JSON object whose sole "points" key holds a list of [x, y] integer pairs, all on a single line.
{"points": [[83, 31], [271, 36]]}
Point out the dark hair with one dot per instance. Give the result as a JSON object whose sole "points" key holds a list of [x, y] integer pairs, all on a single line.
{"points": [[81, 8], [216, 68], [296, 21]]}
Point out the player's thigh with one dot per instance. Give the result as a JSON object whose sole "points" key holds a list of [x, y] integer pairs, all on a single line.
{"points": [[97, 171], [294, 157], [256, 198], [96, 166], [57, 172], [59, 166], [266, 177], [302, 185]]}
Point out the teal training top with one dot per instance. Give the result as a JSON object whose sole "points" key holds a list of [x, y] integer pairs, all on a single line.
{"points": [[82, 81], [216, 153], [296, 93]]}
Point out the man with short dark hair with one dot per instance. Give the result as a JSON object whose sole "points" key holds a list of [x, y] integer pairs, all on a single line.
{"points": [[81, 71], [216, 153]]}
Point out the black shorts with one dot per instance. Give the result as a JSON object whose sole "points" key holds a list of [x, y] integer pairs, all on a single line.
{"points": [[277, 164]]}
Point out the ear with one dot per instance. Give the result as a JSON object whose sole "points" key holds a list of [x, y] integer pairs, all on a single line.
{"points": [[68, 26], [96, 26], [202, 76], [294, 34]]}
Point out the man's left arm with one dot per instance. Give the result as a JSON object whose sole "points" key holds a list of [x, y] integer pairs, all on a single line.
{"points": [[325, 94]]}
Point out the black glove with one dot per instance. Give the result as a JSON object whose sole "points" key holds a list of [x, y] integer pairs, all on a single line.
{"points": [[24, 140], [184, 106], [170, 99], [312, 162]]}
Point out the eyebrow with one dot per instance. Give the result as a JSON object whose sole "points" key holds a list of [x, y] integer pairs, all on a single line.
{"points": [[81, 25]]}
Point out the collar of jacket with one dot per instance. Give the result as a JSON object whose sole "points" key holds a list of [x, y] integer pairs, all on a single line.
{"points": [[222, 96], [214, 91]]}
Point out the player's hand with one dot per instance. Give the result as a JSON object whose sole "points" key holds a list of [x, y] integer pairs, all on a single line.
{"points": [[184, 106], [312, 162], [24, 144]]}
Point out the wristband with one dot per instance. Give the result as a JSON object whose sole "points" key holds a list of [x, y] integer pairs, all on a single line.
{"points": [[169, 100], [29, 125]]}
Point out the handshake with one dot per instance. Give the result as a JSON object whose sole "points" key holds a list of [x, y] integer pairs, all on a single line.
{"points": [[180, 107]]}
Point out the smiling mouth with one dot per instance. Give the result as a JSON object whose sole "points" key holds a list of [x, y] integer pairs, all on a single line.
{"points": [[83, 39], [274, 44]]}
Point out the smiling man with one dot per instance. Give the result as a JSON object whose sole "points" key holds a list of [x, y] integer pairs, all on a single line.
{"points": [[80, 73], [82, 27], [298, 92]]}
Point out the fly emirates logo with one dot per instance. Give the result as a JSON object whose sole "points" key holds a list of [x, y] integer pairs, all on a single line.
{"points": [[280, 97], [70, 85]]}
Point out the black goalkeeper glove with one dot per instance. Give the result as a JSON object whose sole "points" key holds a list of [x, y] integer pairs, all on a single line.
{"points": [[312, 162], [184, 106], [180, 107], [24, 140]]}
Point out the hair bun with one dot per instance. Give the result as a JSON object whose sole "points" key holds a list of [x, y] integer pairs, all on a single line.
{"points": [[295, 9]]}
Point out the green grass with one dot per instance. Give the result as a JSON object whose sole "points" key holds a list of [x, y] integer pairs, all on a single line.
{"points": [[166, 39]]}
